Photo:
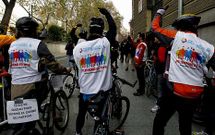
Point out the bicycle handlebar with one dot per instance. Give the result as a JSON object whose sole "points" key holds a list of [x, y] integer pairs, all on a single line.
{"points": [[124, 81], [56, 74]]}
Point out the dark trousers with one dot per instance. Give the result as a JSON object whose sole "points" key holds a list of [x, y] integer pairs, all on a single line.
{"points": [[81, 114], [141, 79], [168, 106]]}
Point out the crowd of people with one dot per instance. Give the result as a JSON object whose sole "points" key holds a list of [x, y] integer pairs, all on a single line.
{"points": [[180, 58]]}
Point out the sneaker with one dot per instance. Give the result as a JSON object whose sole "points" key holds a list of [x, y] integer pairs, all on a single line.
{"points": [[138, 93], [199, 133], [155, 109]]}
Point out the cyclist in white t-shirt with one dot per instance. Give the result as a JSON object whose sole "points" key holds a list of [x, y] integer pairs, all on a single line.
{"points": [[93, 60]]}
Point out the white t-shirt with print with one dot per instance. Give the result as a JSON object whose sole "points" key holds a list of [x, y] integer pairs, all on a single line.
{"points": [[94, 64], [24, 61], [189, 55]]}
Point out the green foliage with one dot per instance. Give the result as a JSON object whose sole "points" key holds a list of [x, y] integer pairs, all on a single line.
{"points": [[55, 33], [71, 12]]}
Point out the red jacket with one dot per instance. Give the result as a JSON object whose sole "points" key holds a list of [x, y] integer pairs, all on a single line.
{"points": [[140, 53], [166, 36]]}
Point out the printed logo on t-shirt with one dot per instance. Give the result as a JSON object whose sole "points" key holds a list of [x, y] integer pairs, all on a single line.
{"points": [[93, 59], [191, 54], [20, 58]]}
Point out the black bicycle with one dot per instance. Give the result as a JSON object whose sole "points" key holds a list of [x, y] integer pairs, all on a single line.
{"points": [[54, 110], [70, 82], [110, 110]]}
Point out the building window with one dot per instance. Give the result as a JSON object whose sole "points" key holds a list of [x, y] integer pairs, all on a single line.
{"points": [[140, 6]]}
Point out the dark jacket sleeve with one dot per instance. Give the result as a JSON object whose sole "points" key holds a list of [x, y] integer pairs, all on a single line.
{"points": [[111, 34], [73, 36], [48, 60]]}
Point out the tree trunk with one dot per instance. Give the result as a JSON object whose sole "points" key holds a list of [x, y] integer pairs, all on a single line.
{"points": [[7, 14]]}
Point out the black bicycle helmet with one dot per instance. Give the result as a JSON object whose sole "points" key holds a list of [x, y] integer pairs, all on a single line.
{"points": [[26, 24], [187, 22], [96, 25]]}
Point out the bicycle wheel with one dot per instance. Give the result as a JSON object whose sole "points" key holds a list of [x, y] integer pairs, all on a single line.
{"points": [[61, 110], [48, 129], [101, 130], [69, 85], [119, 113], [150, 81]]}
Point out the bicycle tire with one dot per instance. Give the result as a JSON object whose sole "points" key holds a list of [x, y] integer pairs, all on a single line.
{"points": [[69, 85], [123, 106], [61, 106], [49, 128]]}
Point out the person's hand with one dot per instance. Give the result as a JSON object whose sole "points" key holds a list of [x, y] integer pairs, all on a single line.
{"points": [[79, 25], [103, 11], [161, 11]]}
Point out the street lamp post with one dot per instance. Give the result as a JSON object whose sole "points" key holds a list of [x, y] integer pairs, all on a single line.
{"points": [[180, 7]]}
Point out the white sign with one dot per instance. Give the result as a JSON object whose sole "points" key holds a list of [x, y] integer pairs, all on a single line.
{"points": [[23, 111]]}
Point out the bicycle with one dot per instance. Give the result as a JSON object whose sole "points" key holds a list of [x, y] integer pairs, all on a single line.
{"points": [[54, 110], [70, 82], [111, 115], [150, 78]]}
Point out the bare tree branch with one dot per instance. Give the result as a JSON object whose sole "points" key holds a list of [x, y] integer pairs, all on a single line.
{"points": [[25, 9], [5, 2]]}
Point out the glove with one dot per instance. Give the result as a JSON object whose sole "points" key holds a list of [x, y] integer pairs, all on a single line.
{"points": [[161, 11], [79, 25], [103, 11]]}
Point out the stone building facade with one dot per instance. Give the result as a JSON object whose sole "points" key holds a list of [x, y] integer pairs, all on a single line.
{"points": [[141, 19]]}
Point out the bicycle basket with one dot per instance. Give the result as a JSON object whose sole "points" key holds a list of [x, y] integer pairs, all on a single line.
{"points": [[95, 104]]}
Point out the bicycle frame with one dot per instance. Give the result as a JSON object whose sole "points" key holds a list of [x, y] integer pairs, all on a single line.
{"points": [[110, 102]]}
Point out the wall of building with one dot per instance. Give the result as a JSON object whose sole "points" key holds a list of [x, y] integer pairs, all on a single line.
{"points": [[139, 18], [204, 8], [207, 26]]}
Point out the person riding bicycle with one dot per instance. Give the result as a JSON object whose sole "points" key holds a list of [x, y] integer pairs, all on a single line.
{"points": [[29, 58], [93, 60], [188, 56]]}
